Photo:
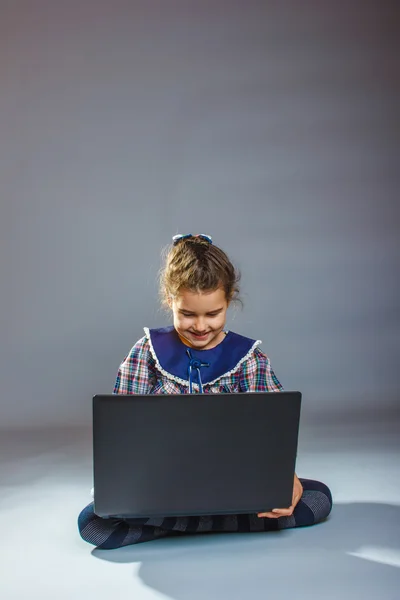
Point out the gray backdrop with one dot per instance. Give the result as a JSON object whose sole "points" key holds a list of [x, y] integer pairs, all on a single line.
{"points": [[273, 126]]}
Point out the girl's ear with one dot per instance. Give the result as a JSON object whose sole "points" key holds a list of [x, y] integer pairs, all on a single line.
{"points": [[169, 301]]}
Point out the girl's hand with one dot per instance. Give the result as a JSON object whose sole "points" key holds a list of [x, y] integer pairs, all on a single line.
{"points": [[286, 512]]}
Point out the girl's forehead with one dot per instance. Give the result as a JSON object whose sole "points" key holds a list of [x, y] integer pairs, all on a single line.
{"points": [[209, 300]]}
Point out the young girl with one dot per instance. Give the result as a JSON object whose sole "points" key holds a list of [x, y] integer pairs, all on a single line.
{"points": [[197, 354]]}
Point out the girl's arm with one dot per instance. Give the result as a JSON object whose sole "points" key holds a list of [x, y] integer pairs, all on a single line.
{"points": [[136, 373], [257, 375]]}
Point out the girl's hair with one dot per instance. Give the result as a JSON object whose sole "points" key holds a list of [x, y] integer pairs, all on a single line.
{"points": [[199, 266]]}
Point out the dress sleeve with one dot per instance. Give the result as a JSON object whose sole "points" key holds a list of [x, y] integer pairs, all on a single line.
{"points": [[135, 374], [257, 376]]}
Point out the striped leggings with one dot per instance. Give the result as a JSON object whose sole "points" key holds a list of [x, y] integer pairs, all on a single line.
{"points": [[108, 533]]}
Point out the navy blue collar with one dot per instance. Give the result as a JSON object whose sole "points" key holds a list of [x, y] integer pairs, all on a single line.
{"points": [[171, 354]]}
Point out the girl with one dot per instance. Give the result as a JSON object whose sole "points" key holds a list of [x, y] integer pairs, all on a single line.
{"points": [[197, 354]]}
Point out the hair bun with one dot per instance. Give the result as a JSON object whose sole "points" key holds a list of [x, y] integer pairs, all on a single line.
{"points": [[201, 238]]}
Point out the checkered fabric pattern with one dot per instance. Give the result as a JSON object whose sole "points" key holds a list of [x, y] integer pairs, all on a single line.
{"points": [[138, 374]]}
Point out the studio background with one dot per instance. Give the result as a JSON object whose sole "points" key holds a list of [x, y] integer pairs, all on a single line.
{"points": [[272, 126]]}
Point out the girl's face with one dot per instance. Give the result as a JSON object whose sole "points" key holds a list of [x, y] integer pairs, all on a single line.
{"points": [[199, 317]]}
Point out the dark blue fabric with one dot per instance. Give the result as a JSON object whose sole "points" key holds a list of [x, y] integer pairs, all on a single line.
{"points": [[118, 536], [194, 366], [314, 506], [173, 358]]}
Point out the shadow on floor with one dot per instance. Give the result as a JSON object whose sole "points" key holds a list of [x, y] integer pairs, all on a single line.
{"points": [[314, 562]]}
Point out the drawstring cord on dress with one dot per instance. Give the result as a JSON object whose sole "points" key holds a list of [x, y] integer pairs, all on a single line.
{"points": [[195, 364]]}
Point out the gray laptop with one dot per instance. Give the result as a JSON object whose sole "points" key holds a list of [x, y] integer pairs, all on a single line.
{"points": [[194, 454]]}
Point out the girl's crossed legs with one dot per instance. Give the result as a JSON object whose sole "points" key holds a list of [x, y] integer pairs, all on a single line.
{"points": [[314, 506]]}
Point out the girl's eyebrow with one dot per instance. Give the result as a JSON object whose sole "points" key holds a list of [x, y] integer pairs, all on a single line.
{"points": [[211, 312]]}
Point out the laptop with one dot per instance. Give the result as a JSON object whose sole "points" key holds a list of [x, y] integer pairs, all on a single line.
{"points": [[194, 454]]}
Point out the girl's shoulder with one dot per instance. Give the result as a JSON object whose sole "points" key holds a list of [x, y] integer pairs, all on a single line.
{"points": [[255, 360], [139, 353]]}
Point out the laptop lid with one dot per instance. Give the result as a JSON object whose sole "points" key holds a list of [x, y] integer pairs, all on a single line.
{"points": [[194, 454]]}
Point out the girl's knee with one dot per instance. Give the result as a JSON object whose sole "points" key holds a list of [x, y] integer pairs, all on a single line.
{"points": [[325, 501], [328, 503], [105, 534], [311, 485], [315, 504], [90, 525], [85, 517]]}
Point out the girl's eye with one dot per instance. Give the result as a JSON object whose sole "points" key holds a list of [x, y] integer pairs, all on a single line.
{"points": [[192, 315]]}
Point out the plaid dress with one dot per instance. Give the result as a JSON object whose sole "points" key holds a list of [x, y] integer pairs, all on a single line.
{"points": [[237, 365], [158, 364]]}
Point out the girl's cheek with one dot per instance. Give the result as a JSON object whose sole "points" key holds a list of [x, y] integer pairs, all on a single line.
{"points": [[184, 323]]}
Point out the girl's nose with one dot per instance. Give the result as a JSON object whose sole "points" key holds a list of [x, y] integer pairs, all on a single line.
{"points": [[200, 325]]}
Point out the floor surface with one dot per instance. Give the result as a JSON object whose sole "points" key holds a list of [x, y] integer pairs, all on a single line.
{"points": [[45, 479]]}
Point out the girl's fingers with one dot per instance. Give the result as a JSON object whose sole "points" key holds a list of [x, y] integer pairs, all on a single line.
{"points": [[277, 512], [283, 512]]}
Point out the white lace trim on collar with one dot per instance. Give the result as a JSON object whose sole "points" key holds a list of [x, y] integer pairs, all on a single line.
{"points": [[195, 385]]}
